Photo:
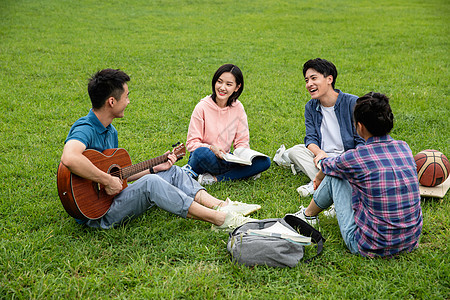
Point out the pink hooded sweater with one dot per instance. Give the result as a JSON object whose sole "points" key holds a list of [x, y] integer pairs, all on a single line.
{"points": [[221, 127]]}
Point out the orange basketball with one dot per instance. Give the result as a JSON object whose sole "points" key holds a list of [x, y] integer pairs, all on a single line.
{"points": [[433, 167]]}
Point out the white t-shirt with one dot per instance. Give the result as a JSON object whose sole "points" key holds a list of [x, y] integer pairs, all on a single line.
{"points": [[331, 133]]}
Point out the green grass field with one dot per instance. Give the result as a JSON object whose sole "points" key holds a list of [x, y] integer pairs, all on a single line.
{"points": [[171, 49]]}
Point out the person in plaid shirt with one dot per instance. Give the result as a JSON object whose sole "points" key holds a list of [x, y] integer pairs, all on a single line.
{"points": [[374, 187]]}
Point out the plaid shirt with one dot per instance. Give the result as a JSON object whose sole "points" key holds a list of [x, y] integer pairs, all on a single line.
{"points": [[385, 195]]}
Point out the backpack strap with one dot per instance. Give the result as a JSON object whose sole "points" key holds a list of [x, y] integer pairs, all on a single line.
{"points": [[307, 230]]}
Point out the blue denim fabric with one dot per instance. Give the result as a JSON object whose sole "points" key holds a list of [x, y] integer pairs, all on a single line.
{"points": [[343, 108], [339, 191], [172, 190], [203, 160]]}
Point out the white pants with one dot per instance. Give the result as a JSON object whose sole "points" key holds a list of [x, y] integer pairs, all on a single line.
{"points": [[303, 160]]}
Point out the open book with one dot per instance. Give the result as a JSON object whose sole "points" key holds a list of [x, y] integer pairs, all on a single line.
{"points": [[242, 156], [281, 231]]}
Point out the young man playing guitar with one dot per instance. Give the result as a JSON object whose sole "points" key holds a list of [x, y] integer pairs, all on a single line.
{"points": [[164, 185]]}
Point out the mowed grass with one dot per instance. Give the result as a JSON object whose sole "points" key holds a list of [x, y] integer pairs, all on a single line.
{"points": [[171, 49]]}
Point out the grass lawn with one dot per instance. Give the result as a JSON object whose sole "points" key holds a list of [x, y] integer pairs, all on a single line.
{"points": [[171, 49]]}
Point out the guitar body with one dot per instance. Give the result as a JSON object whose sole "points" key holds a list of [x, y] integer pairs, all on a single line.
{"points": [[84, 199]]}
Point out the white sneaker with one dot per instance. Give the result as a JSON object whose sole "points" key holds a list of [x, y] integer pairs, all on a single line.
{"points": [[188, 170], [331, 212], [280, 158], [206, 178], [239, 207], [313, 221], [306, 190], [232, 220], [257, 176]]}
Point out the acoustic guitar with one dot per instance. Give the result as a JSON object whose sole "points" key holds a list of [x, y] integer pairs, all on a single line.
{"points": [[85, 199]]}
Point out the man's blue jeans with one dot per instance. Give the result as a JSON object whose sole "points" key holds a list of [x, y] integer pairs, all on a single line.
{"points": [[203, 160], [172, 190], [338, 191]]}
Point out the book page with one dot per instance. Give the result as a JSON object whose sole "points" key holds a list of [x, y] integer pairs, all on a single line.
{"points": [[247, 154], [242, 156], [233, 158], [281, 231]]}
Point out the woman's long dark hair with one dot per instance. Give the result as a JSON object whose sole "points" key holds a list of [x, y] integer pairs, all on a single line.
{"points": [[233, 69]]}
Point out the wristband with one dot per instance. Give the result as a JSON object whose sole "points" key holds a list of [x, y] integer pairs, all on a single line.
{"points": [[151, 170], [319, 164]]}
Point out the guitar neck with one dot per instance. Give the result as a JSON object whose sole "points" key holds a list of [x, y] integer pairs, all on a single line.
{"points": [[142, 166]]}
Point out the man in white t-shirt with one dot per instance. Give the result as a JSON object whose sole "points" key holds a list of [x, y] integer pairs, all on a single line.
{"points": [[328, 120]]}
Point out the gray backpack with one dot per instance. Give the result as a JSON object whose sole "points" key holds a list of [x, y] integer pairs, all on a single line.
{"points": [[274, 250]]}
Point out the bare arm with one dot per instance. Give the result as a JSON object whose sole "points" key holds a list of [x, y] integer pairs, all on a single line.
{"points": [[78, 164], [172, 158], [318, 153], [318, 179], [138, 175]]}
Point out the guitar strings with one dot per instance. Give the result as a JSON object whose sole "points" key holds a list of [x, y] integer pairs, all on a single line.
{"points": [[133, 169]]}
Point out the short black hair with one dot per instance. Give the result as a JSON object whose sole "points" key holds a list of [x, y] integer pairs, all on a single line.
{"points": [[104, 84], [233, 69], [322, 66], [374, 112]]}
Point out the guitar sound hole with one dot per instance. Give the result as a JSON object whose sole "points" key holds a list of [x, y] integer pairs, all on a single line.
{"points": [[115, 171]]}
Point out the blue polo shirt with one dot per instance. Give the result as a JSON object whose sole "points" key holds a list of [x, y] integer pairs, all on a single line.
{"points": [[91, 132]]}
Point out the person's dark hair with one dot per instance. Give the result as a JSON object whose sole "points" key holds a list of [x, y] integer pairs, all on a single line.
{"points": [[233, 69], [374, 112], [322, 66], [104, 84]]}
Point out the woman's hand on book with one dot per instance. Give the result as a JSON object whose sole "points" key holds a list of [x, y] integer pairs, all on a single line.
{"points": [[217, 151]]}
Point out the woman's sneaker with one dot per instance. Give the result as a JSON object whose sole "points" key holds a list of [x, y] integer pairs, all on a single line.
{"points": [[205, 179], [189, 171], [257, 176], [239, 207], [232, 221]]}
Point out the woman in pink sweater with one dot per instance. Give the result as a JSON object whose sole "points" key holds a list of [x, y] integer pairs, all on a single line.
{"points": [[218, 122]]}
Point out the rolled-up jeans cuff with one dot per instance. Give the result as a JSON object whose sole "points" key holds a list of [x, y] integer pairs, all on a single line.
{"points": [[324, 194], [319, 205]]}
